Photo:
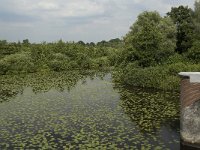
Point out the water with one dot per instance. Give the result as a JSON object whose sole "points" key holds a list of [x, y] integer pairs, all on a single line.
{"points": [[76, 111]]}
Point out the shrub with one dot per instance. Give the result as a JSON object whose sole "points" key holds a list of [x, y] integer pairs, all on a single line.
{"points": [[17, 63], [100, 62], [194, 52]]}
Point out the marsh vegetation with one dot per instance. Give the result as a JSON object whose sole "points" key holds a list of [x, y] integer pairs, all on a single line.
{"points": [[117, 94]]}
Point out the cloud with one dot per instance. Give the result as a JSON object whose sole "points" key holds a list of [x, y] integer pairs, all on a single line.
{"points": [[45, 5], [13, 17], [58, 8], [87, 20]]}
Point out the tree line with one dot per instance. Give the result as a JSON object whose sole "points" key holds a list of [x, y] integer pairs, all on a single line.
{"points": [[151, 54], [26, 57], [158, 48]]}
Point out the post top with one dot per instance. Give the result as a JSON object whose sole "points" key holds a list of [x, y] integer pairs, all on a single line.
{"points": [[188, 74], [194, 76]]}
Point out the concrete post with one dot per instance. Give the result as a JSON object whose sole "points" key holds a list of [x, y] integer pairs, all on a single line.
{"points": [[190, 109]]}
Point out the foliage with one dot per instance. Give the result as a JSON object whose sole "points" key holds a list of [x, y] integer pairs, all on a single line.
{"points": [[160, 77], [58, 56], [156, 77], [156, 50], [20, 62], [182, 17], [176, 58], [151, 37], [64, 101], [196, 19], [194, 52], [8, 48], [150, 55]]}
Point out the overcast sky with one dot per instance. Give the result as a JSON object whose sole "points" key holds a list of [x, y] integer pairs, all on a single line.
{"points": [[74, 20]]}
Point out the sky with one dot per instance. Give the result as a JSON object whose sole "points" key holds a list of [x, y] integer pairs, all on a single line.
{"points": [[74, 20]]}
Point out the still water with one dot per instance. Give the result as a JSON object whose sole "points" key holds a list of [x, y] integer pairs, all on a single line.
{"points": [[85, 111]]}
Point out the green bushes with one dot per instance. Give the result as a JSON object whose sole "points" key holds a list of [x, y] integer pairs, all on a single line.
{"points": [[83, 61], [59, 62], [151, 54], [14, 63], [160, 77], [194, 52], [57, 65], [59, 56], [4, 67], [155, 51], [8, 48], [175, 58], [144, 77], [101, 62]]}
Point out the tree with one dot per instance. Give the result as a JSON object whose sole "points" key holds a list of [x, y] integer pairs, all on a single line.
{"points": [[182, 17], [8, 48], [115, 43], [196, 18], [26, 42], [81, 42], [151, 39], [102, 43], [92, 44]]}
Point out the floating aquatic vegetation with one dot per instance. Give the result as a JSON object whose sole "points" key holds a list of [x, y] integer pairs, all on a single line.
{"points": [[76, 111], [150, 109]]}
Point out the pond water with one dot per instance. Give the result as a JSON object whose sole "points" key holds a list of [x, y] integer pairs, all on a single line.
{"points": [[84, 111]]}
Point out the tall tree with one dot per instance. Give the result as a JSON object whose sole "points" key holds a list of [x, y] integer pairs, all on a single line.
{"points": [[182, 17], [151, 39], [196, 17]]}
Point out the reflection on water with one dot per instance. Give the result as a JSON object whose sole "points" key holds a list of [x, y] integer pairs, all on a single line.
{"points": [[84, 111], [149, 108]]}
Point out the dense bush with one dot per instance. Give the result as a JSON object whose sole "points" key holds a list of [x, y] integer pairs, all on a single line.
{"points": [[156, 49], [194, 52], [58, 56], [20, 62], [160, 77], [101, 62]]}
